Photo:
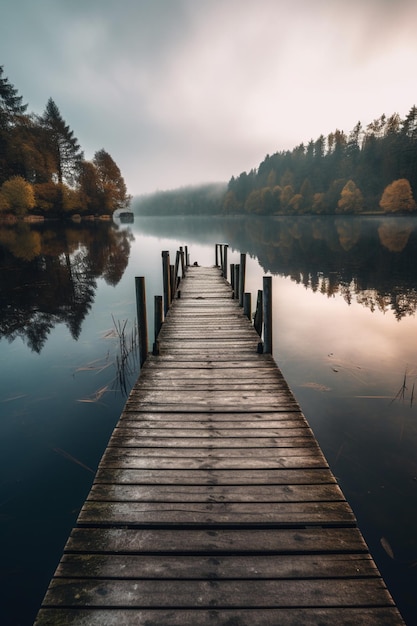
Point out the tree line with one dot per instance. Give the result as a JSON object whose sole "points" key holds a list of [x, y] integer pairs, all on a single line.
{"points": [[370, 169], [42, 166], [198, 200]]}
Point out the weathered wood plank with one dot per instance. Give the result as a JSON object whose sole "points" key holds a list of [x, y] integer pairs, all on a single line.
{"points": [[214, 477], [131, 421], [161, 460], [222, 567], [218, 593], [214, 417], [211, 493], [203, 442], [215, 541], [214, 513], [212, 432], [374, 616]]}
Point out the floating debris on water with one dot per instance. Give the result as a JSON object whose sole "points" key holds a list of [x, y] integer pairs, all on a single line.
{"points": [[316, 386]]}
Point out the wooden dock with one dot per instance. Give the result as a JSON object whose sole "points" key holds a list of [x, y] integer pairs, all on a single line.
{"points": [[213, 504]]}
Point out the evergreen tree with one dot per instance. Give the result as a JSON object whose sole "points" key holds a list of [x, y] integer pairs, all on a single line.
{"points": [[11, 110], [62, 145], [11, 105]]}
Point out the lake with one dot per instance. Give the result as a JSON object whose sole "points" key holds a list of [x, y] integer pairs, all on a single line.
{"points": [[344, 336]]}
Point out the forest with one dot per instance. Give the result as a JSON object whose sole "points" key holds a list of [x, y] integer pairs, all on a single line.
{"points": [[42, 166], [371, 169], [368, 170]]}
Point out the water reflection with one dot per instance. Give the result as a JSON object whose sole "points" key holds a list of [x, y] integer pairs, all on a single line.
{"points": [[369, 259], [49, 276], [344, 328]]}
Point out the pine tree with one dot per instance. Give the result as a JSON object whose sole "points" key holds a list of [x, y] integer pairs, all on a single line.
{"points": [[63, 146], [10, 103]]}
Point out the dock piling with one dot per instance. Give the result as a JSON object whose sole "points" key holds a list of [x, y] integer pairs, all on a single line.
{"points": [[141, 317], [242, 276], [267, 314]]}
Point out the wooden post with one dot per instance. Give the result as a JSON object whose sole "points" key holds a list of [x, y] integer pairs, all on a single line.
{"points": [[142, 320], [267, 309], [182, 259], [258, 321], [217, 255], [232, 277], [242, 278], [157, 319], [247, 305], [187, 258], [237, 271], [166, 281], [177, 266], [172, 281], [225, 261]]}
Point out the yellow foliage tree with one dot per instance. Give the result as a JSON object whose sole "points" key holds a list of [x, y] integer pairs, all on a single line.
{"points": [[398, 197], [17, 195], [351, 199]]}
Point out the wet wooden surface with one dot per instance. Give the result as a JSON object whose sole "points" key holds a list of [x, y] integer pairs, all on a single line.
{"points": [[213, 503]]}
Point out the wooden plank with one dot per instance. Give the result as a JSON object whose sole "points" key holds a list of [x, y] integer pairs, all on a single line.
{"points": [[214, 477], [217, 417], [212, 432], [212, 493], [374, 616], [222, 567], [161, 460], [212, 443], [217, 593], [215, 541], [131, 421], [214, 513]]}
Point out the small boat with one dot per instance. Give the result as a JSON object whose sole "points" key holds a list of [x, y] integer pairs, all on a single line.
{"points": [[126, 217]]}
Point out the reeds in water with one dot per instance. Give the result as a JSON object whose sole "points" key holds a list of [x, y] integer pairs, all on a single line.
{"points": [[125, 360]]}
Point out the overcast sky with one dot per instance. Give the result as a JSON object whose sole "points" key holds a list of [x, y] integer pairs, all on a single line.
{"points": [[187, 91]]}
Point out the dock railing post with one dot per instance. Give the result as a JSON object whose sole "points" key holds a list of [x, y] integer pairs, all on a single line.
{"points": [[232, 279], [258, 319], [172, 282], [216, 263], [247, 305], [182, 259], [224, 268], [166, 280], [242, 278], [187, 258], [157, 319], [177, 266], [267, 313], [236, 281], [142, 320]]}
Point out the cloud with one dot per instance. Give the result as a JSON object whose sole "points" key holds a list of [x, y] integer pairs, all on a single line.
{"points": [[180, 91]]}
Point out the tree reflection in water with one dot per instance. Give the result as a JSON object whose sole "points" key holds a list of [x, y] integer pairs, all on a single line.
{"points": [[48, 276]]}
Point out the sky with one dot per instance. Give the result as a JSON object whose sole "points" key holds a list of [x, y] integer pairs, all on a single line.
{"points": [[183, 92]]}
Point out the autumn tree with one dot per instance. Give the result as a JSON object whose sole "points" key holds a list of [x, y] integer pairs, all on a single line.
{"points": [[398, 197], [111, 186], [17, 195], [351, 199]]}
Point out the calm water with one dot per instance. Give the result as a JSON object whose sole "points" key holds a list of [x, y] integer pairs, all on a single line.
{"points": [[345, 295]]}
